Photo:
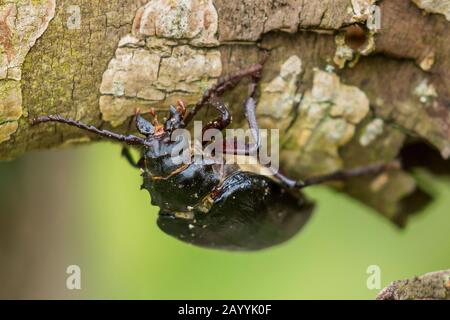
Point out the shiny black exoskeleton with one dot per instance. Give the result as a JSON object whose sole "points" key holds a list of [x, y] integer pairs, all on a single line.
{"points": [[246, 211], [220, 206], [217, 205]]}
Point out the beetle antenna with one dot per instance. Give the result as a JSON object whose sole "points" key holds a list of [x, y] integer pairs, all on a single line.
{"points": [[128, 139]]}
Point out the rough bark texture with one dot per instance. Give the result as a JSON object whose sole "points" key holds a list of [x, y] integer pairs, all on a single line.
{"points": [[431, 286], [341, 94]]}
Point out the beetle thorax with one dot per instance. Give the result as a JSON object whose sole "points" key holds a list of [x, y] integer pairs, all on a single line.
{"points": [[159, 159]]}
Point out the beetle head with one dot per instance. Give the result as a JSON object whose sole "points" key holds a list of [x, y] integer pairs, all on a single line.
{"points": [[155, 130], [160, 145]]}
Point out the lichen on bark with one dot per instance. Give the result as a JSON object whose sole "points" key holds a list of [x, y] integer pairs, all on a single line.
{"points": [[431, 286], [168, 56], [326, 120], [435, 6], [22, 22]]}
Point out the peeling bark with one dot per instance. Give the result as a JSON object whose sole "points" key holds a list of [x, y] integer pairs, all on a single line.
{"points": [[341, 93], [442, 7]]}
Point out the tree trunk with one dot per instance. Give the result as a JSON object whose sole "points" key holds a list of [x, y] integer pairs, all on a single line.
{"points": [[348, 83]]}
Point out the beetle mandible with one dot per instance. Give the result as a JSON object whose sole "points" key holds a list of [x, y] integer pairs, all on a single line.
{"points": [[218, 206]]}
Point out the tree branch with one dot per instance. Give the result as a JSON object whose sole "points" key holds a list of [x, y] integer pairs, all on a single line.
{"points": [[431, 286], [342, 94]]}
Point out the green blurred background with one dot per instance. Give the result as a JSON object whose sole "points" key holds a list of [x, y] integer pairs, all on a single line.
{"points": [[83, 206]]}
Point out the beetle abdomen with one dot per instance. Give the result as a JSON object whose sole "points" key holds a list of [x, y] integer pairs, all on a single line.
{"points": [[249, 212]]}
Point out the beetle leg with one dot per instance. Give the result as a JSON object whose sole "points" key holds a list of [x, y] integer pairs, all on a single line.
{"points": [[250, 111], [144, 127], [224, 84], [230, 147], [129, 157], [338, 175], [129, 139], [223, 120]]}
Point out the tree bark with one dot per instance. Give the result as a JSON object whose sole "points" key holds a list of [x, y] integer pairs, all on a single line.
{"points": [[342, 92], [431, 286]]}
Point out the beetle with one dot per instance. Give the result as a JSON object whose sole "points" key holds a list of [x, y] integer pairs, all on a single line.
{"points": [[210, 205]]}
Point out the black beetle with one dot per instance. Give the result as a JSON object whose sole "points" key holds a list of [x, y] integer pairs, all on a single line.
{"points": [[218, 206]]}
